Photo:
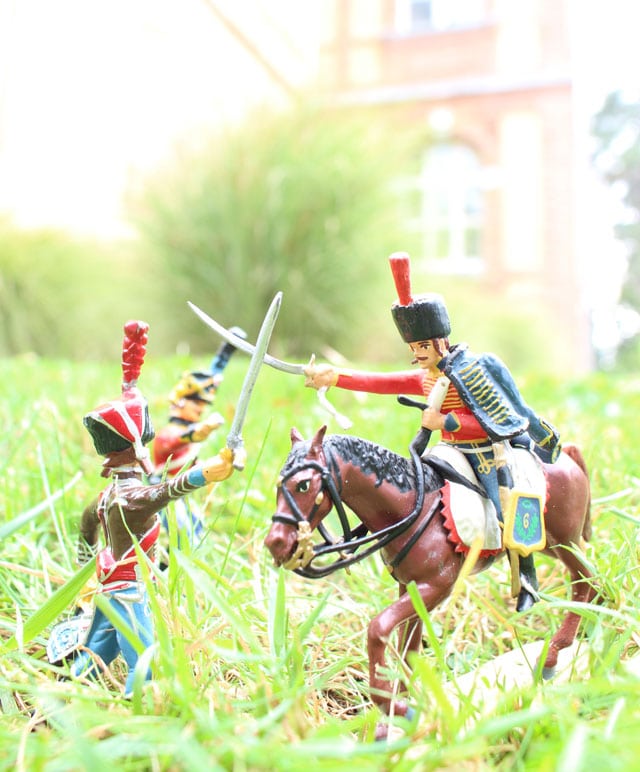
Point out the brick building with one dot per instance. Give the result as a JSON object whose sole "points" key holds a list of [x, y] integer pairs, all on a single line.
{"points": [[499, 190], [491, 82]]}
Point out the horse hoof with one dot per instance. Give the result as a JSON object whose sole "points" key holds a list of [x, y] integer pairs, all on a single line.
{"points": [[381, 733], [548, 673]]}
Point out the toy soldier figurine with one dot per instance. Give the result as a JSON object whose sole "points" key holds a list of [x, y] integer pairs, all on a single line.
{"points": [[126, 512], [480, 405], [127, 509], [176, 445]]}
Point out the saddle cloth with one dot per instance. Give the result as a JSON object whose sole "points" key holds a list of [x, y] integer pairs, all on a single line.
{"points": [[474, 515]]}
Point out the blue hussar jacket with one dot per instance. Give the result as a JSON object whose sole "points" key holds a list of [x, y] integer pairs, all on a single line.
{"points": [[487, 388]]}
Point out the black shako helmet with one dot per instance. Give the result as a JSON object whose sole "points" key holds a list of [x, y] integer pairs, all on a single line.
{"points": [[417, 318]]}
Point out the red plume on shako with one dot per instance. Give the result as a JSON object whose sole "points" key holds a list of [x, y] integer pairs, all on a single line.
{"points": [[125, 422]]}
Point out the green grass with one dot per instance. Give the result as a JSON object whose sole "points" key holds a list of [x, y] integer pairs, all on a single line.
{"points": [[259, 669]]}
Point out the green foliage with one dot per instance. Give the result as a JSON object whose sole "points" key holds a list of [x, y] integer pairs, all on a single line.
{"points": [[518, 334], [617, 131], [628, 354], [299, 202], [64, 297], [259, 669]]}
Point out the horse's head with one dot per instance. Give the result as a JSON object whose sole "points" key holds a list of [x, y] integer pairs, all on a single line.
{"points": [[306, 494], [312, 483]]}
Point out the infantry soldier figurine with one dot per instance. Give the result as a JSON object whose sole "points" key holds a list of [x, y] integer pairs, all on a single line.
{"points": [[176, 446], [126, 513]]}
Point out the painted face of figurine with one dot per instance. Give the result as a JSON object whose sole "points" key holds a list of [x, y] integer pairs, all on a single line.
{"points": [[188, 409], [427, 353]]}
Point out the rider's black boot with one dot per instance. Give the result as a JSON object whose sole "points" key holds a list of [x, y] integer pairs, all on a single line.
{"points": [[528, 594]]}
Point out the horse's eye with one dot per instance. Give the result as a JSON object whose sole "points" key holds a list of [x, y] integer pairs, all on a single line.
{"points": [[303, 486]]}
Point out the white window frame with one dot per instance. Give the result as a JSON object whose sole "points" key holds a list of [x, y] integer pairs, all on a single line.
{"points": [[448, 196]]}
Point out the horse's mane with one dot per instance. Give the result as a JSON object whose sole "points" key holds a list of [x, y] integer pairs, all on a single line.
{"points": [[372, 458]]}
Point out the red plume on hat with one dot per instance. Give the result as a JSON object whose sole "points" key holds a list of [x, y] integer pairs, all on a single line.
{"points": [[423, 317], [401, 270], [134, 348], [125, 422]]}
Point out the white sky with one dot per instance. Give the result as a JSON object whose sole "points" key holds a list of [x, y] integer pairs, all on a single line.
{"points": [[93, 91]]}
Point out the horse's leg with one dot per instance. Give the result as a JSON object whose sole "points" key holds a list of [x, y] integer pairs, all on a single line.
{"points": [[409, 632], [400, 613], [582, 591], [568, 521]]}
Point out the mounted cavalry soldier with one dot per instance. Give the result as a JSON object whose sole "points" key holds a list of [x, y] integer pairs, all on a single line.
{"points": [[475, 404]]}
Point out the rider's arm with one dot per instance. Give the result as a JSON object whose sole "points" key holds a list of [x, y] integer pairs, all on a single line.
{"points": [[213, 470], [405, 382], [463, 425]]}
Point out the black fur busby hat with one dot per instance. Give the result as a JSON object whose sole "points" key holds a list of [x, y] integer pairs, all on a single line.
{"points": [[423, 317]]}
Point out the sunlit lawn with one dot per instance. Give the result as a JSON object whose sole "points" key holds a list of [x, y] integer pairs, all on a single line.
{"points": [[260, 669]]}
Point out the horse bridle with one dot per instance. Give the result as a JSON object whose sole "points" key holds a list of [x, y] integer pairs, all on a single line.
{"points": [[352, 540]]}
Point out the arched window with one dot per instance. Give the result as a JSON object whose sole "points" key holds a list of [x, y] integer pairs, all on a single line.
{"points": [[446, 208]]}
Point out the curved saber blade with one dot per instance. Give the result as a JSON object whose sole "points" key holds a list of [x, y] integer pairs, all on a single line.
{"points": [[243, 345], [234, 438], [278, 364]]}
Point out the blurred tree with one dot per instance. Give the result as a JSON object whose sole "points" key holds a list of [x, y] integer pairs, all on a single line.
{"points": [[616, 128], [62, 297], [300, 202]]}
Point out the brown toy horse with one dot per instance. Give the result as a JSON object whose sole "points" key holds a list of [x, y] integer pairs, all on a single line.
{"points": [[399, 502]]}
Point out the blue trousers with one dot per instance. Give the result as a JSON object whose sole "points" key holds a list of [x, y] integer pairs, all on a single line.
{"points": [[132, 606], [483, 463]]}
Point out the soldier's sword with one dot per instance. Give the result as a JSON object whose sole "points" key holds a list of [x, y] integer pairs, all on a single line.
{"points": [[234, 438], [243, 345], [278, 364]]}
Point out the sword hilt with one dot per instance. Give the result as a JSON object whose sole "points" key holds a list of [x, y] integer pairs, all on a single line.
{"points": [[239, 457]]}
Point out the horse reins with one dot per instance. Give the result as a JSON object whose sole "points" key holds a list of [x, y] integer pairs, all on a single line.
{"points": [[359, 537]]}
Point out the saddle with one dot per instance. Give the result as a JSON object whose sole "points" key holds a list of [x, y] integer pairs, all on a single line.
{"points": [[469, 515]]}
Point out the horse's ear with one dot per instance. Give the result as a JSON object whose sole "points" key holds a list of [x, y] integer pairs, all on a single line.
{"points": [[316, 442], [296, 436]]}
